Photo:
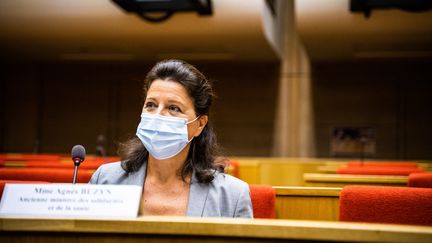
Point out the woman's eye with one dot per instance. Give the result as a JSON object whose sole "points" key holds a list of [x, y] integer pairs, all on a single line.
{"points": [[149, 105], [174, 108]]}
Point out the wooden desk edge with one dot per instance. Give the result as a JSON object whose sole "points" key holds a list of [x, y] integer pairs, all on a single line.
{"points": [[219, 227], [307, 191]]}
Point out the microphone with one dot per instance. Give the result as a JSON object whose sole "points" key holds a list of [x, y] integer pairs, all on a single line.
{"points": [[78, 155]]}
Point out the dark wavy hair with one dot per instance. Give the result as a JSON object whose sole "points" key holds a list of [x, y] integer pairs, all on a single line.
{"points": [[203, 157]]}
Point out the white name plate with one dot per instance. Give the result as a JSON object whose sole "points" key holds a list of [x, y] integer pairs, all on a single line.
{"points": [[68, 200]]}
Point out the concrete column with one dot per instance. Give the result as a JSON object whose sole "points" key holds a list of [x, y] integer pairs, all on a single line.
{"points": [[293, 130]]}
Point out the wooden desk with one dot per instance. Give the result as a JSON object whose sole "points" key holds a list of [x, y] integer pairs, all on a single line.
{"points": [[307, 203], [276, 171], [341, 180], [185, 229]]}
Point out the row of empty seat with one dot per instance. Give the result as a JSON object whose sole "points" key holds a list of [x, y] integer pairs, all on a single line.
{"points": [[55, 168], [387, 204], [417, 176]]}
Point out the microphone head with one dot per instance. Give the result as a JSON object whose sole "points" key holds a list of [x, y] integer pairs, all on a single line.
{"points": [[78, 153]]}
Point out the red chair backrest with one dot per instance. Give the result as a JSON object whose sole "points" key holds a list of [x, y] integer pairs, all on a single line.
{"points": [[263, 201], [24, 157], [420, 180], [91, 165], [380, 164], [378, 170], [381, 204], [45, 174]]}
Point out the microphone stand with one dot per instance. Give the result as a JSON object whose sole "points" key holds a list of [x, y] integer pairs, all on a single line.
{"points": [[77, 162]]}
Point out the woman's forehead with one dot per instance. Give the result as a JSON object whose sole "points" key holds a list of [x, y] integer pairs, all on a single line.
{"points": [[168, 88]]}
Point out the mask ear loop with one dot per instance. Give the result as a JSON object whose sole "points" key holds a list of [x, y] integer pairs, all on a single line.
{"points": [[191, 122]]}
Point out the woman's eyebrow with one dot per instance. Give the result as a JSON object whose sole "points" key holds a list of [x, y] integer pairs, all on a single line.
{"points": [[150, 98]]}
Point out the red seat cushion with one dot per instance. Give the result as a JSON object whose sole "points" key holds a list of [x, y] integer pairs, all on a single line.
{"points": [[378, 170], [420, 180], [263, 201], [380, 204]]}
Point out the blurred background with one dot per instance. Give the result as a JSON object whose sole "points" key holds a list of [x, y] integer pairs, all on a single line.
{"points": [[293, 78]]}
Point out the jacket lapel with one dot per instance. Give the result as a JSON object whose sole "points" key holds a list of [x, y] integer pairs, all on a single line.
{"points": [[197, 197], [137, 177]]}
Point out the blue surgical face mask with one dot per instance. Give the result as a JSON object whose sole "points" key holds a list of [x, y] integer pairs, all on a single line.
{"points": [[163, 136]]}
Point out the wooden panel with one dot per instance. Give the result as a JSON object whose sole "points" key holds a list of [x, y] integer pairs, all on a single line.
{"points": [[249, 171], [76, 109], [313, 203], [20, 111], [390, 95], [286, 173], [167, 229], [336, 180], [244, 110], [276, 171]]}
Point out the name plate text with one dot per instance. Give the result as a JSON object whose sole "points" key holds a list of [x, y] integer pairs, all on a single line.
{"points": [[71, 200]]}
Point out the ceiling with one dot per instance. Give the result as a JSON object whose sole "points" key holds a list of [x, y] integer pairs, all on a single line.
{"points": [[100, 30], [330, 31]]}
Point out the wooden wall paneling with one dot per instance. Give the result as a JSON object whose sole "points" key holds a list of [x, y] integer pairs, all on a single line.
{"points": [[76, 107], [387, 94], [20, 109]]}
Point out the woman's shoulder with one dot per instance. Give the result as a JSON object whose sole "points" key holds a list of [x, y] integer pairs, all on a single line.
{"points": [[233, 183], [108, 173], [228, 197], [113, 167]]}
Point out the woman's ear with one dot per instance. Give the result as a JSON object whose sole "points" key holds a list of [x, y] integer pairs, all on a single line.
{"points": [[202, 122]]}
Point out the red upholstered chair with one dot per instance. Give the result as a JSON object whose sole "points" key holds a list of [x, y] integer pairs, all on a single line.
{"points": [[378, 170], [45, 174], [263, 201], [24, 157], [381, 164], [420, 180], [4, 182], [90, 165], [380, 204]]}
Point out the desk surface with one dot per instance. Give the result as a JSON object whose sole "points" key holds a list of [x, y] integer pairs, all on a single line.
{"points": [[206, 229]]}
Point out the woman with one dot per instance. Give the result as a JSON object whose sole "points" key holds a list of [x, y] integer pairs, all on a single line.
{"points": [[174, 154]]}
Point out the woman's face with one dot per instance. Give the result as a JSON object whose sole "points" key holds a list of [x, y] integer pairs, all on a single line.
{"points": [[170, 98]]}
